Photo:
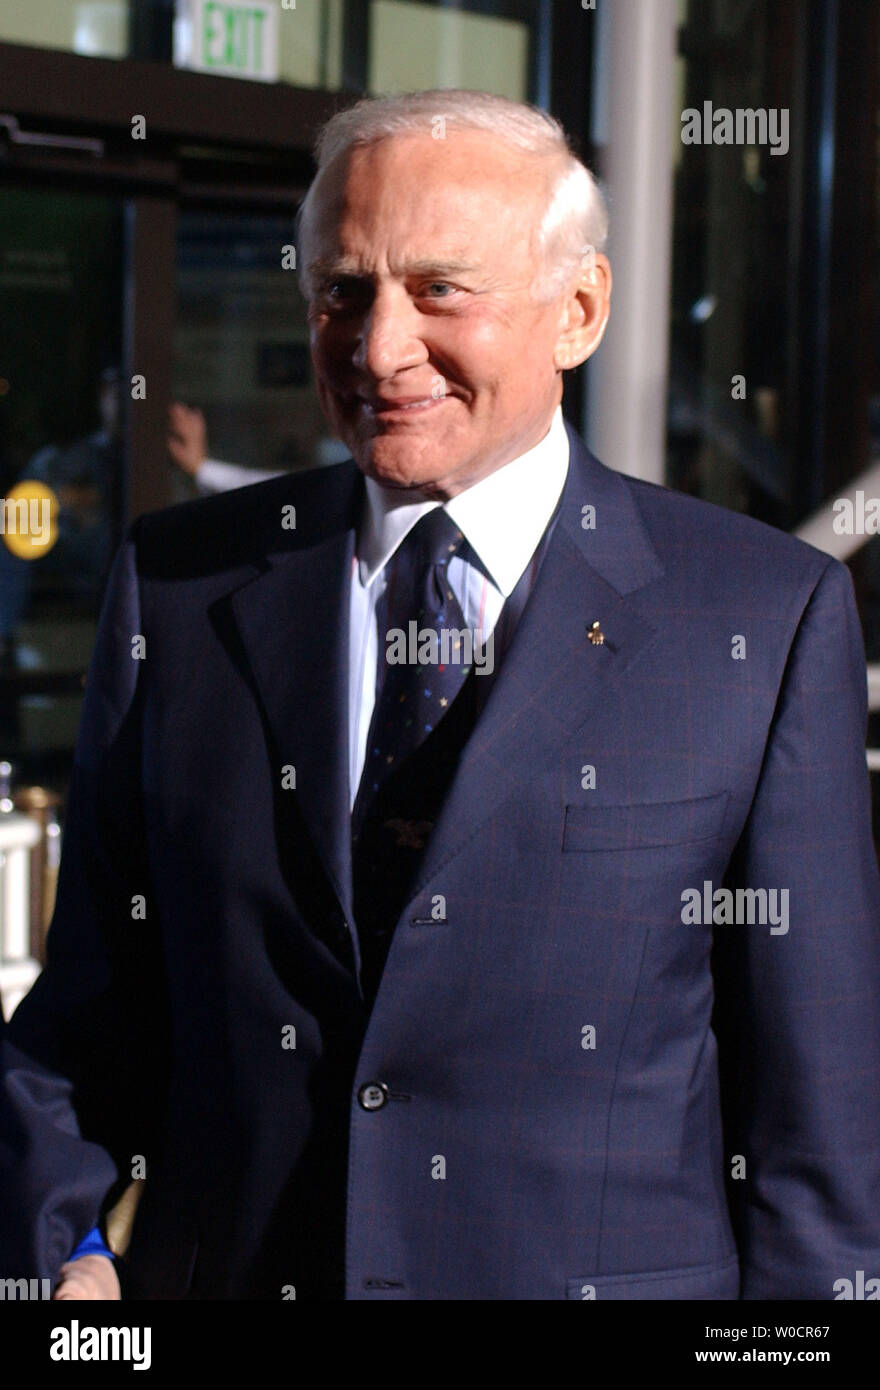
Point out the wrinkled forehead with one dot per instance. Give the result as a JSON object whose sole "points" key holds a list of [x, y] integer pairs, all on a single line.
{"points": [[470, 196]]}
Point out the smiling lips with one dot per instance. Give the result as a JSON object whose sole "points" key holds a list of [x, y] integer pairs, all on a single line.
{"points": [[404, 405]]}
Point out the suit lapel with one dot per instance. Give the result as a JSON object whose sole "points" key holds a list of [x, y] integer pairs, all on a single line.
{"points": [[293, 623], [553, 675]]}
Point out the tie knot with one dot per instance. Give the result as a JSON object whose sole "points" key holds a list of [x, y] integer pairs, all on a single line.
{"points": [[437, 538]]}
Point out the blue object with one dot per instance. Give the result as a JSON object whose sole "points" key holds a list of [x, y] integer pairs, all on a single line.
{"points": [[92, 1244]]}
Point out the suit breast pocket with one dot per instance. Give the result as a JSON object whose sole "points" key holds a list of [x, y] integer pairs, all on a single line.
{"points": [[644, 825], [709, 1281]]}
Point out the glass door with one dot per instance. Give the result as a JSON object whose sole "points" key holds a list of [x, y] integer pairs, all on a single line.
{"points": [[61, 439], [245, 404]]}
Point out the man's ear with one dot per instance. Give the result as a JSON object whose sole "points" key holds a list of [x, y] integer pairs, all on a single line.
{"points": [[585, 311]]}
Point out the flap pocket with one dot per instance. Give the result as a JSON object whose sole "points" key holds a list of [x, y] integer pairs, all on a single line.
{"points": [[719, 1281], [644, 824]]}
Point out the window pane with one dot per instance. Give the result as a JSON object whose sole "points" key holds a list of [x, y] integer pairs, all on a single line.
{"points": [[730, 368], [98, 28], [417, 47], [61, 428], [310, 44], [241, 353]]}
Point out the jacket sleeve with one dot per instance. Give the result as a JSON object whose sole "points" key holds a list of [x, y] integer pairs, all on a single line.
{"points": [[84, 1057], [798, 1011]]}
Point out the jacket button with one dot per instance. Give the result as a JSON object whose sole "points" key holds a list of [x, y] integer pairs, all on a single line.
{"points": [[373, 1095]]}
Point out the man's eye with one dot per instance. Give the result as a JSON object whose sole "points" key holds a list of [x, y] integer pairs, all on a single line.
{"points": [[338, 289], [440, 289], [342, 290]]}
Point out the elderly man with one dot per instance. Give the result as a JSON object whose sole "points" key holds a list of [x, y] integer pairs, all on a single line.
{"points": [[468, 890]]}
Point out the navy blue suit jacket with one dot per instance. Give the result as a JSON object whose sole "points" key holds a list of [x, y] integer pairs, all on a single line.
{"points": [[587, 1095]]}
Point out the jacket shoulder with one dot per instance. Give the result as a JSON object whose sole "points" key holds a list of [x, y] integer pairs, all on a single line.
{"points": [[243, 525], [706, 534]]}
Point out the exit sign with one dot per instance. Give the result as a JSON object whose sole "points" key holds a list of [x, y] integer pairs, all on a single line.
{"points": [[227, 38]]}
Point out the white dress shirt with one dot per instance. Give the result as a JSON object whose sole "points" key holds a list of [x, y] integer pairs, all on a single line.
{"points": [[503, 516]]}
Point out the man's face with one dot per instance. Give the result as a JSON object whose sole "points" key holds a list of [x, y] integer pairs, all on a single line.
{"points": [[433, 363]]}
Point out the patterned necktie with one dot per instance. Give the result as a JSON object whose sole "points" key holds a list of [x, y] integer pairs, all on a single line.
{"points": [[422, 623], [413, 756], [424, 713]]}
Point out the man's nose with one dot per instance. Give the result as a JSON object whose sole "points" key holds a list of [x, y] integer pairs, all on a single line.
{"points": [[389, 339]]}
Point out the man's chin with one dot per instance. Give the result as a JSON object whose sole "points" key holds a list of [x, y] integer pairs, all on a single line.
{"points": [[397, 468]]}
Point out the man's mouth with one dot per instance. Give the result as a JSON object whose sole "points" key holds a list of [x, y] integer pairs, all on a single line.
{"points": [[385, 408]]}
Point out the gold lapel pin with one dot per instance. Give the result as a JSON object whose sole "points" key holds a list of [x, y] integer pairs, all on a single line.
{"points": [[596, 635]]}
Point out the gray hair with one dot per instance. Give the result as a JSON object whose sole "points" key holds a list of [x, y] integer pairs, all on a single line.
{"points": [[575, 221]]}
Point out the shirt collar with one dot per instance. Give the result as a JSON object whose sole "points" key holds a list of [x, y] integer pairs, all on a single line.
{"points": [[503, 516]]}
